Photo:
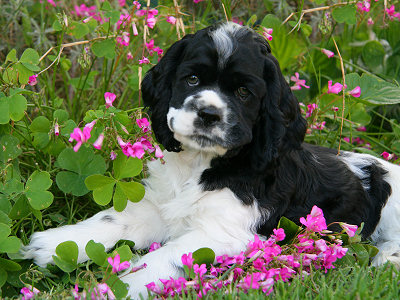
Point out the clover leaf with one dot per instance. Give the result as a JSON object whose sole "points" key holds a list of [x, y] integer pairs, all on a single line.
{"points": [[106, 188], [13, 108], [78, 166], [36, 190], [67, 256]]}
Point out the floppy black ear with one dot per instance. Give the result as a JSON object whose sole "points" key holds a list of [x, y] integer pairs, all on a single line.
{"points": [[156, 93], [280, 127]]}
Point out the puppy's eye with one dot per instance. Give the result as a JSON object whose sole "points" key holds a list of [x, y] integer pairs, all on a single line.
{"points": [[192, 80], [243, 92]]}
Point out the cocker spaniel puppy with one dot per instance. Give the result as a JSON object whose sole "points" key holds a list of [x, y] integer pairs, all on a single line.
{"points": [[235, 162]]}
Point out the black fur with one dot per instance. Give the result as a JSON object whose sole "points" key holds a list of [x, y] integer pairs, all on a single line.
{"points": [[267, 160]]}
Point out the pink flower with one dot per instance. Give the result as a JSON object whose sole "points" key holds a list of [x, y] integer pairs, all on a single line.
{"points": [[122, 3], [318, 125], [29, 292], [298, 83], [267, 33], [187, 260], [136, 150], [391, 13], [144, 60], [150, 44], [197, 1], [364, 6], [361, 128], [56, 129], [136, 4], [32, 80], [334, 89], [315, 220], [171, 20], [387, 155], [158, 153], [328, 53], [154, 288], [116, 265], [335, 108], [103, 289], [279, 234], [144, 124], [154, 246], [151, 22], [113, 155], [200, 270], [129, 56], [81, 136], [52, 3], [370, 21], [124, 20], [75, 292], [124, 39], [134, 29], [356, 92], [146, 144], [99, 142], [310, 109], [349, 229], [109, 97]]}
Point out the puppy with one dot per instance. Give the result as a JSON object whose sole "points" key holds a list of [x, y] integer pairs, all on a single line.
{"points": [[235, 162]]}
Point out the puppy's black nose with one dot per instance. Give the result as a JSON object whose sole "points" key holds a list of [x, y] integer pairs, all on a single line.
{"points": [[209, 115]]}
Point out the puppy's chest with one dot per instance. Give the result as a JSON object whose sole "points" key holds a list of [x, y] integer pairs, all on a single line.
{"points": [[174, 188]]}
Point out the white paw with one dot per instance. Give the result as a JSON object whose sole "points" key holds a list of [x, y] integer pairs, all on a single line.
{"points": [[159, 266], [41, 248]]}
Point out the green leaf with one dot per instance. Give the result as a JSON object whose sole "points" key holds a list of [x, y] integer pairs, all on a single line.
{"points": [[40, 128], [10, 75], [4, 231], [373, 91], [96, 252], [20, 209], [103, 195], [204, 256], [10, 244], [57, 25], [31, 67], [30, 56], [119, 288], [18, 106], [12, 56], [9, 148], [373, 54], [78, 29], [39, 180], [120, 199], [134, 191], [36, 190], [9, 265], [361, 254], [127, 167], [97, 181], [5, 110], [4, 219], [104, 48], [3, 277], [23, 73], [60, 115], [285, 47], [68, 252], [345, 14], [63, 265], [372, 250], [290, 228], [79, 165], [112, 15]]}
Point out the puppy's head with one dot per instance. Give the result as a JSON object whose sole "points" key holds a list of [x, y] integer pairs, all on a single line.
{"points": [[220, 90]]}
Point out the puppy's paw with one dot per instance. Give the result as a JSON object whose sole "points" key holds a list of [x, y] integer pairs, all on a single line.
{"points": [[42, 247]]}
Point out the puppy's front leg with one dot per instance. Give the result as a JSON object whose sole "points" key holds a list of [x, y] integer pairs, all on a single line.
{"points": [[166, 261], [139, 222]]}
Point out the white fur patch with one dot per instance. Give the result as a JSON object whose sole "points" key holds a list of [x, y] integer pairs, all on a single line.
{"points": [[386, 236], [222, 38]]}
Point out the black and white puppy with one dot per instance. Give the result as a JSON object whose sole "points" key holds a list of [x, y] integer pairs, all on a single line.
{"points": [[235, 163]]}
